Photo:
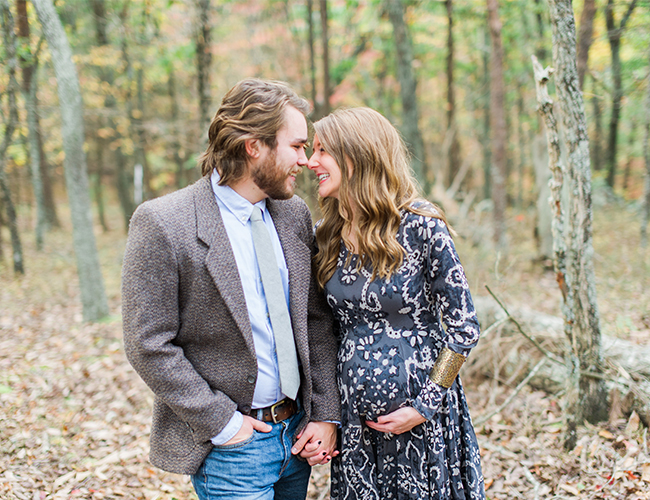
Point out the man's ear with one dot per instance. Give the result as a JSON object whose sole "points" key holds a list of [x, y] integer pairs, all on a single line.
{"points": [[253, 147]]}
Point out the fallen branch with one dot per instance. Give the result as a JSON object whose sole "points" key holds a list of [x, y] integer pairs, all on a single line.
{"points": [[513, 394]]}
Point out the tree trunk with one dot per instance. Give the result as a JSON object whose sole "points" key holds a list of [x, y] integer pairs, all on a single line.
{"points": [[485, 129], [327, 90], [453, 155], [175, 129], [9, 37], [497, 126], [541, 44], [585, 37], [120, 160], [312, 59], [591, 397], [597, 141], [408, 92], [544, 219], [99, 190], [93, 297], [29, 86], [204, 67], [645, 212], [614, 35], [630, 156]]}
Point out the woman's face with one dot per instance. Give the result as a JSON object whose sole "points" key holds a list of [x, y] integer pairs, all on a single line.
{"points": [[327, 171]]}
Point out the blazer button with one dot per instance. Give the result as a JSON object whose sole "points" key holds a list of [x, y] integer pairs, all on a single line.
{"points": [[246, 408], [251, 379]]}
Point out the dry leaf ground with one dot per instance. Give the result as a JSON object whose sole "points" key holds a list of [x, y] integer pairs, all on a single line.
{"points": [[74, 417]]}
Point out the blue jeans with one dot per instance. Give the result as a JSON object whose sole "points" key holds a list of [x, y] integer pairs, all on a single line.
{"points": [[258, 468]]}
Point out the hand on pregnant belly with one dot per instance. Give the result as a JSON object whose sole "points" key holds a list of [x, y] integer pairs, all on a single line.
{"points": [[397, 422]]}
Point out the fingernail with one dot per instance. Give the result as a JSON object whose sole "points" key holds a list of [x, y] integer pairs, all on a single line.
{"points": [[324, 453], [294, 451], [328, 459], [319, 442]]}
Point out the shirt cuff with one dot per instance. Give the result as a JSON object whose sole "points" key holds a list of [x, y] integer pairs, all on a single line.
{"points": [[229, 431]]}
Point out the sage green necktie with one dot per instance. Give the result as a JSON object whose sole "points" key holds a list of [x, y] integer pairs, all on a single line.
{"points": [[285, 347]]}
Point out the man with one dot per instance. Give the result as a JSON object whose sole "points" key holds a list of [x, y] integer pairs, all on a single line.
{"points": [[201, 325]]}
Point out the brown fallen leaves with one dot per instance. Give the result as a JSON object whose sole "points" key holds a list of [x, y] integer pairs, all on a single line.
{"points": [[75, 418]]}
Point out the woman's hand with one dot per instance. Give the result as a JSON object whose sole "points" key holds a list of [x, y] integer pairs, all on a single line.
{"points": [[397, 422]]}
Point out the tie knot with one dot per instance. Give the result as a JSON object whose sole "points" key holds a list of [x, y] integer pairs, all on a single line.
{"points": [[257, 214]]}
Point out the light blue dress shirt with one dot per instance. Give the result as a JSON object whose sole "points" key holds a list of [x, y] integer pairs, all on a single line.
{"points": [[236, 212]]}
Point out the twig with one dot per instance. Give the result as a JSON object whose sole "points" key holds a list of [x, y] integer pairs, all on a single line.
{"points": [[545, 352], [499, 449], [521, 385], [532, 479], [494, 326], [324, 493]]}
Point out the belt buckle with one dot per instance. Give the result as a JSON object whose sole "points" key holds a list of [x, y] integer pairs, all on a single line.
{"points": [[273, 407]]}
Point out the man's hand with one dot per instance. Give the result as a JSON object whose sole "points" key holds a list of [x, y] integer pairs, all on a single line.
{"points": [[250, 424], [397, 422], [317, 443]]}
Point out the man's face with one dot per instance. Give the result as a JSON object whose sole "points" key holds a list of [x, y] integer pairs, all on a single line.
{"points": [[275, 173]]}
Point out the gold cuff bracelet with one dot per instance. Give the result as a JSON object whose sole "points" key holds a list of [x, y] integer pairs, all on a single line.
{"points": [[446, 367]]}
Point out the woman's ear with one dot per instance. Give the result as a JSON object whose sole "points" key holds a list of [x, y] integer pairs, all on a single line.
{"points": [[252, 147]]}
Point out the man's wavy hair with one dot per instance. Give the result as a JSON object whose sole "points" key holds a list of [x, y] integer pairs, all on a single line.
{"points": [[252, 109], [377, 184]]}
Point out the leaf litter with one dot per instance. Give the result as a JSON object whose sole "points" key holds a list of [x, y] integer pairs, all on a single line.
{"points": [[75, 417]]}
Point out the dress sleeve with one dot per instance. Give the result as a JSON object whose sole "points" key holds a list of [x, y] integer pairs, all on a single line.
{"points": [[452, 302]]}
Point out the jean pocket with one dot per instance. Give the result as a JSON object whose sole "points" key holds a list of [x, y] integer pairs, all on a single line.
{"points": [[235, 446]]}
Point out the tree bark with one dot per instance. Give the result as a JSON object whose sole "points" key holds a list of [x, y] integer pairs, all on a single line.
{"points": [[29, 90], [99, 191], [498, 126], [93, 297], [614, 35], [645, 212], [9, 37], [585, 37], [453, 155], [327, 89], [204, 66], [485, 129], [312, 58], [120, 160], [175, 129], [408, 92], [588, 399], [597, 141]]}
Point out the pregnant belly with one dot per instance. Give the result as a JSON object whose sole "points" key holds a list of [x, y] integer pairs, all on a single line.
{"points": [[372, 378]]}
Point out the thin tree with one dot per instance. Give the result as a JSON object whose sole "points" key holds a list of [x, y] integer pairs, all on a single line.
{"points": [[204, 65], [614, 35], [47, 215], [453, 155], [645, 213], [312, 58], [29, 64], [585, 37], [91, 283], [497, 126], [408, 91], [175, 128], [325, 41], [9, 38], [586, 398]]}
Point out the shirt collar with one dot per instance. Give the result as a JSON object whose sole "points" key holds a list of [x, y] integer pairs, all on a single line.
{"points": [[236, 204]]}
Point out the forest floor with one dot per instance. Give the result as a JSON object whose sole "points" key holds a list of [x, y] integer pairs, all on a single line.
{"points": [[75, 418]]}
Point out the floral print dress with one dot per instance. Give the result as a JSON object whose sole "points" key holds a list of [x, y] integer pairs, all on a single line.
{"points": [[390, 335]]}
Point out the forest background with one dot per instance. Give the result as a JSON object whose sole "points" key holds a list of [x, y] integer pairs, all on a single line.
{"points": [[455, 76]]}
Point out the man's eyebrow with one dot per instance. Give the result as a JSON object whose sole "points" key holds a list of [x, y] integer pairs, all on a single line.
{"points": [[301, 140]]}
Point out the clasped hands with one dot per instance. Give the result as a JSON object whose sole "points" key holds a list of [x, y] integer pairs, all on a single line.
{"points": [[317, 441]]}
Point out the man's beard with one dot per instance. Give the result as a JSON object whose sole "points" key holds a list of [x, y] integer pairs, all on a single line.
{"points": [[272, 179]]}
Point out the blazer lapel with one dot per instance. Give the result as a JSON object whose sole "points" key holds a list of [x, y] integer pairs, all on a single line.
{"points": [[220, 260], [298, 258]]}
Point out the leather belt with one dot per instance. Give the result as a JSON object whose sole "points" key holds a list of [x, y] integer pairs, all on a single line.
{"points": [[277, 412]]}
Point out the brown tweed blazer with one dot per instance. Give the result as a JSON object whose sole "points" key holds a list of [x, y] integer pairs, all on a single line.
{"points": [[186, 327]]}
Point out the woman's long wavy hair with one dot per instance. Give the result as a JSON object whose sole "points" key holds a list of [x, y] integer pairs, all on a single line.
{"points": [[376, 185]]}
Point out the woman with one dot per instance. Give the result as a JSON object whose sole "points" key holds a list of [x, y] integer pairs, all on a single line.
{"points": [[393, 278]]}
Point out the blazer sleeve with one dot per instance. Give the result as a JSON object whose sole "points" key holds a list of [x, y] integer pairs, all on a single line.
{"points": [[150, 311]]}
